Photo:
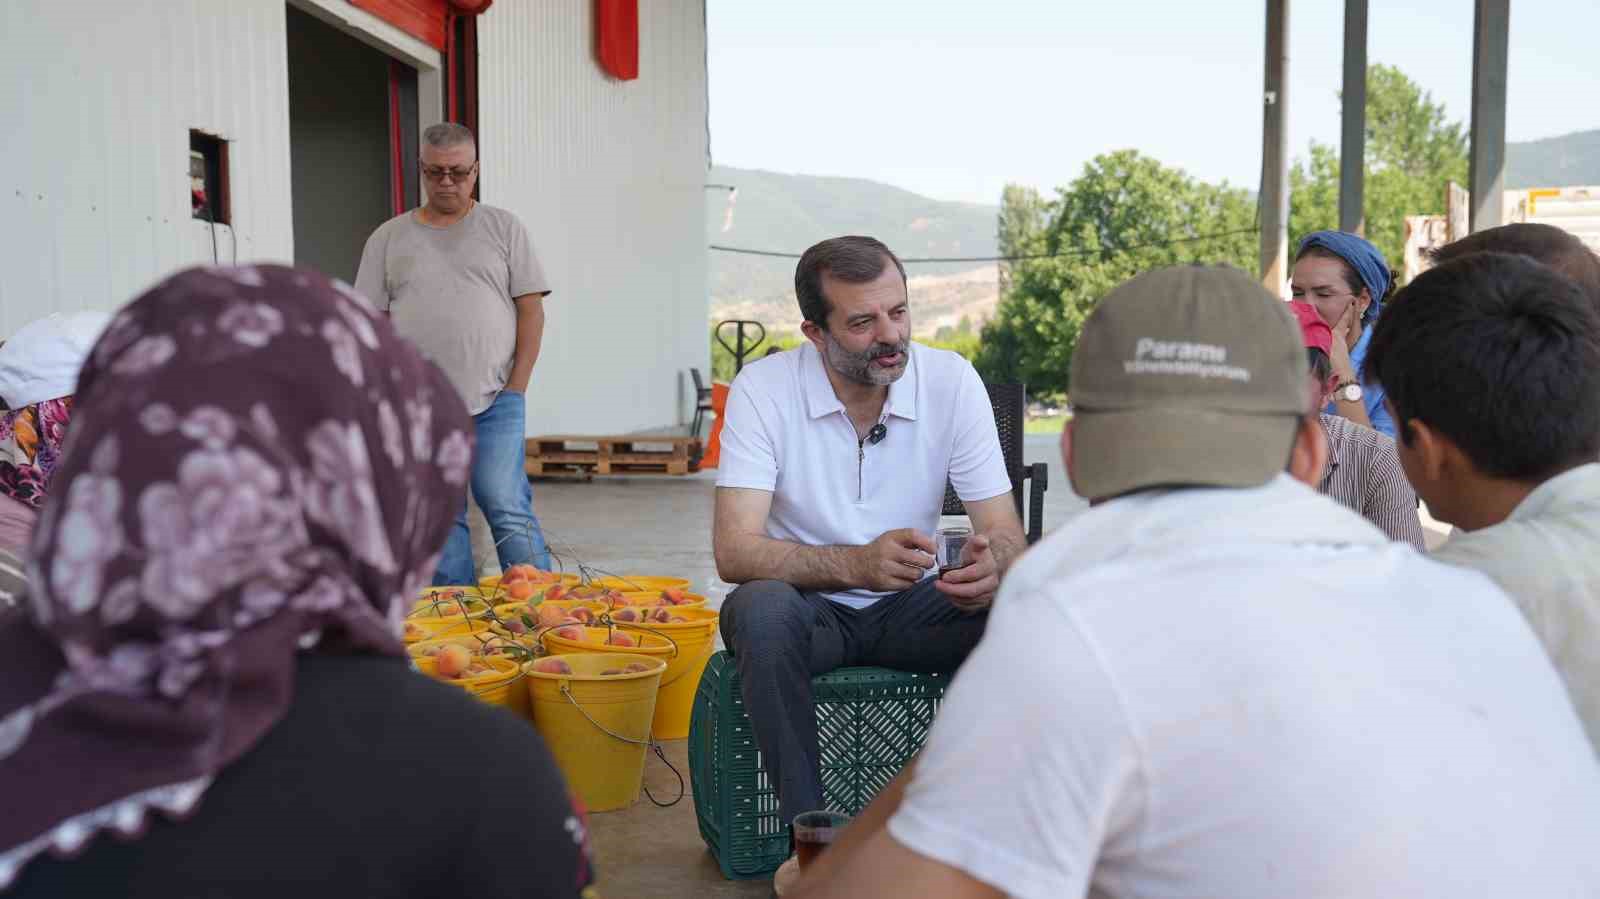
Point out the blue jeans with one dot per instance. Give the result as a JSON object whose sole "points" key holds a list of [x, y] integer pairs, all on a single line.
{"points": [[500, 484]]}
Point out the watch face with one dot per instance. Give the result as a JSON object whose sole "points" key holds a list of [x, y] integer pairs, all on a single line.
{"points": [[1352, 393]]}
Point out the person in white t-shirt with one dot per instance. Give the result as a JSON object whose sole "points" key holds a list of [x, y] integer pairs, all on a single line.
{"points": [[834, 462], [1492, 363], [1217, 682]]}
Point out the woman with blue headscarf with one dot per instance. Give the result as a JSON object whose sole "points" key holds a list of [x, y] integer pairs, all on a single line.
{"points": [[1346, 279]]}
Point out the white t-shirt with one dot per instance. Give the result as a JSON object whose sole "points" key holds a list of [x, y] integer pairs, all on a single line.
{"points": [[1251, 693], [1546, 556], [786, 432]]}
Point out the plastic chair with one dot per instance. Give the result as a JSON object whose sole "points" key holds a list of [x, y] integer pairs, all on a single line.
{"points": [[1010, 406]]}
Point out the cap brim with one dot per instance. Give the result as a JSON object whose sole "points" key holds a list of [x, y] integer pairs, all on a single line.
{"points": [[1119, 452]]}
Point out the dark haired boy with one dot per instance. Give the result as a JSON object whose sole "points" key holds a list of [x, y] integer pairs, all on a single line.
{"points": [[1491, 364]]}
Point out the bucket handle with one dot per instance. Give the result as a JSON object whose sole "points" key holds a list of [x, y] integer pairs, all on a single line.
{"points": [[654, 747]]}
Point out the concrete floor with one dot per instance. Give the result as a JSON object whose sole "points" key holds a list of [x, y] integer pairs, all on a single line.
{"points": [[662, 526]]}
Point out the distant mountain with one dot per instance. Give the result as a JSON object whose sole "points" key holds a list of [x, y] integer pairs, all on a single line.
{"points": [[1565, 161], [787, 213]]}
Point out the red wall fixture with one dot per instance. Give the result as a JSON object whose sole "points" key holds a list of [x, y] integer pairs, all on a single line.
{"points": [[617, 37], [422, 19]]}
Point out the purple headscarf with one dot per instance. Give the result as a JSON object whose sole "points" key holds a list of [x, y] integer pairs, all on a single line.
{"points": [[257, 465]]}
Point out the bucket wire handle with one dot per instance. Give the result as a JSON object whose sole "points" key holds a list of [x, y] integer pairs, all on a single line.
{"points": [[654, 747]]}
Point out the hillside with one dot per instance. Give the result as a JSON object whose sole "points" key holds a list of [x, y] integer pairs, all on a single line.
{"points": [[788, 213], [1568, 160]]}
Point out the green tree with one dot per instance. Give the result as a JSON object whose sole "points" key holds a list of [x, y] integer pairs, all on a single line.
{"points": [[1413, 151], [1125, 214], [1021, 223]]}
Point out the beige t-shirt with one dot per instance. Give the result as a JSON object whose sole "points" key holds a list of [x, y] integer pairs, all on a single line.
{"points": [[452, 291], [1546, 556]]}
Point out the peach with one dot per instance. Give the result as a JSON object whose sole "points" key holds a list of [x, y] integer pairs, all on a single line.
{"points": [[551, 616], [515, 625], [559, 591], [583, 614], [674, 595], [520, 591], [571, 632], [551, 665], [414, 631], [662, 616], [519, 573], [625, 615], [453, 660], [618, 638], [676, 619]]}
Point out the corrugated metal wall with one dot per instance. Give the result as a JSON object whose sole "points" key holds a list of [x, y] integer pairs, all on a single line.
{"points": [[99, 98], [609, 178]]}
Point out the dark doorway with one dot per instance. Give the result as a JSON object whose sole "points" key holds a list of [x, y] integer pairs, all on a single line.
{"points": [[352, 127]]}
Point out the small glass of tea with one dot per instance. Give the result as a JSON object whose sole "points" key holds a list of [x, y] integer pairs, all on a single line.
{"points": [[949, 543], [814, 832]]}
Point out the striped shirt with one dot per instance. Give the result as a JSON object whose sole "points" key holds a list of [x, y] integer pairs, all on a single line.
{"points": [[1364, 475]]}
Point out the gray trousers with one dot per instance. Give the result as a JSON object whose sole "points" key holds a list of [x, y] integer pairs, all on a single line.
{"points": [[781, 638]]}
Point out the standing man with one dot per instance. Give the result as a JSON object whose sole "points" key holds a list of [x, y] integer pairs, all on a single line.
{"points": [[461, 280], [833, 471]]}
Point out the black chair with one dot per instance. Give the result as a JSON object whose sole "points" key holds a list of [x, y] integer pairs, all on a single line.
{"points": [[702, 399], [1010, 405]]}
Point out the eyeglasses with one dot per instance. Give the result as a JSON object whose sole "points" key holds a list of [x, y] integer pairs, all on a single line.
{"points": [[435, 173]]}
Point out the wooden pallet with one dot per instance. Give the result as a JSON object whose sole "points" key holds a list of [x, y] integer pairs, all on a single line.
{"points": [[573, 455]]}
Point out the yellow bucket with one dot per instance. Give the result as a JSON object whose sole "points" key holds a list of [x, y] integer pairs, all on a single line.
{"points": [[594, 641], [501, 688], [419, 629], [641, 582], [488, 584], [447, 602], [696, 638], [481, 643], [597, 727], [514, 611], [654, 598]]}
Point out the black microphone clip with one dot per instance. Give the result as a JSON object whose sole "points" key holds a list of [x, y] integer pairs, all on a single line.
{"points": [[876, 435]]}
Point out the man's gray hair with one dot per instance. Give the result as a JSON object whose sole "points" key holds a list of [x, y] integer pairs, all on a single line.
{"points": [[449, 134]]}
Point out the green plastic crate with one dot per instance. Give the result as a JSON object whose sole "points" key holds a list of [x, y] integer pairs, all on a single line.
{"points": [[870, 722]]}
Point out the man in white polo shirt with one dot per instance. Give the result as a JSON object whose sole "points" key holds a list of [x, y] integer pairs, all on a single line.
{"points": [[833, 471], [1217, 682]]}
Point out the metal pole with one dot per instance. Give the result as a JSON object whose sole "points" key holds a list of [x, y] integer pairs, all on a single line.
{"points": [[1353, 119], [1275, 152], [1491, 24]]}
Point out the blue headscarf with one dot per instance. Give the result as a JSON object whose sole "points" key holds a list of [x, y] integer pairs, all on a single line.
{"points": [[1362, 256]]}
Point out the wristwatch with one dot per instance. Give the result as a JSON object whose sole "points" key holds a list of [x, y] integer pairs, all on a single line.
{"points": [[1348, 392]]}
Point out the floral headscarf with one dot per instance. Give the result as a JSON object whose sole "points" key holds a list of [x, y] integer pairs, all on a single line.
{"points": [[257, 466], [30, 445]]}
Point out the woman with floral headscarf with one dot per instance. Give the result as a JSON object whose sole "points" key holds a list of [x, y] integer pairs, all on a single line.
{"points": [[259, 482], [38, 374]]}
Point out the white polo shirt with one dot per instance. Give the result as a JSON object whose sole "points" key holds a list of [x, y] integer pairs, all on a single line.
{"points": [[786, 432], [1253, 694]]}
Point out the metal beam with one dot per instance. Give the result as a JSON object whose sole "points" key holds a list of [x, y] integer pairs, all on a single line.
{"points": [[1491, 25], [1275, 152], [1353, 120]]}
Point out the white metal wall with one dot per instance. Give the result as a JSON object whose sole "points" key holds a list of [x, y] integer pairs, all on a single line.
{"points": [[609, 178], [98, 101]]}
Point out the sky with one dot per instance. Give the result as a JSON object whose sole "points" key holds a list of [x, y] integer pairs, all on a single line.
{"points": [[954, 100]]}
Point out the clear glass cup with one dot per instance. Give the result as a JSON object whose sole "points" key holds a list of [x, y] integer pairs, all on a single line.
{"points": [[814, 832], [949, 543]]}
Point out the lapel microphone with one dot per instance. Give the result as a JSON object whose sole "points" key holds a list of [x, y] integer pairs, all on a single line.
{"points": [[876, 435]]}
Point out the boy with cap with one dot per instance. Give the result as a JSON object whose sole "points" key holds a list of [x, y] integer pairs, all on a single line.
{"points": [[1492, 364], [1218, 683], [1363, 472]]}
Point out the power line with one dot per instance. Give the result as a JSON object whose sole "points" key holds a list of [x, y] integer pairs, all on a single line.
{"points": [[1059, 253]]}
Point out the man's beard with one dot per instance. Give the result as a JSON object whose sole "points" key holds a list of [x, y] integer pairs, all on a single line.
{"points": [[859, 367]]}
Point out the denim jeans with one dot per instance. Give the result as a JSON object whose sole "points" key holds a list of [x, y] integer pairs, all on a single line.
{"points": [[500, 484]]}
